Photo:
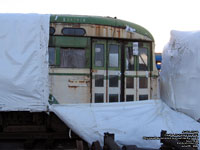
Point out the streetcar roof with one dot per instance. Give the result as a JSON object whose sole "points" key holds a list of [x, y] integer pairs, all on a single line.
{"points": [[107, 21]]}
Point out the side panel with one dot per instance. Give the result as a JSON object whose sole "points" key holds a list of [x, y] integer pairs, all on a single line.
{"points": [[70, 86], [70, 70]]}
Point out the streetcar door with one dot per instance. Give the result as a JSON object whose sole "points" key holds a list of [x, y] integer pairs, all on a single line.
{"points": [[99, 82], [137, 82], [106, 71], [114, 71]]}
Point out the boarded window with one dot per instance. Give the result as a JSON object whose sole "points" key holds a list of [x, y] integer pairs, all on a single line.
{"points": [[52, 56], [113, 97], [99, 79], [113, 81], [129, 59], [143, 97], [73, 31], [73, 58], [99, 97], [113, 55], [99, 55], [143, 82], [129, 98], [129, 82]]}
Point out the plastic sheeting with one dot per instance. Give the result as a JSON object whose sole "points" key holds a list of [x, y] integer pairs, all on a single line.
{"points": [[180, 74], [24, 62], [129, 121]]}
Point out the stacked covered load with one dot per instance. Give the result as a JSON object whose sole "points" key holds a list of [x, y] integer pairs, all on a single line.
{"points": [[24, 62], [180, 75]]}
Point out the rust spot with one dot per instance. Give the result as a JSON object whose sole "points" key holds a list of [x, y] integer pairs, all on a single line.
{"points": [[87, 82], [118, 30], [77, 25], [95, 71], [81, 81], [74, 87], [97, 30], [71, 81]]}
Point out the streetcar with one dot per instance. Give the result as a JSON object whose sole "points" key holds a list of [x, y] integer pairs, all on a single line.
{"points": [[99, 60]]}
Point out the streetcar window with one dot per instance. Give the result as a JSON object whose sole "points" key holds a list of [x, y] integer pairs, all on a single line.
{"points": [[113, 81], [143, 97], [99, 97], [52, 56], [143, 59], [113, 55], [113, 97], [129, 98], [74, 31], [73, 58], [99, 55], [143, 82], [129, 82], [99, 79], [52, 30], [129, 59]]}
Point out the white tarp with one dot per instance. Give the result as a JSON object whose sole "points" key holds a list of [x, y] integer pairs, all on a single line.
{"points": [[129, 121], [24, 62], [180, 74]]}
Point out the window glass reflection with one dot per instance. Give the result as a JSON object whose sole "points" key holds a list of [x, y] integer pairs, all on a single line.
{"points": [[129, 59], [99, 55], [113, 55]]}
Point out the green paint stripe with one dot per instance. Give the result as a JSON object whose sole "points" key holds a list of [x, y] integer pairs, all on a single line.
{"points": [[70, 74]]}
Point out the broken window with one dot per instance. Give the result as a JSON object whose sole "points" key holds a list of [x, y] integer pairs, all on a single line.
{"points": [[52, 56], [99, 55], [113, 55], [143, 82], [73, 58], [129, 59]]}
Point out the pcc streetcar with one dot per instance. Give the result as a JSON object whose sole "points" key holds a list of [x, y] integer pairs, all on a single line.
{"points": [[100, 59]]}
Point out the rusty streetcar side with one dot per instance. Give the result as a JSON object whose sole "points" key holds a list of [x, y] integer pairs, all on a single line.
{"points": [[100, 59]]}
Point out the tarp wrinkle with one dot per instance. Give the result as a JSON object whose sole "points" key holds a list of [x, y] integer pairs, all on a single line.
{"points": [[180, 80], [129, 121], [24, 62]]}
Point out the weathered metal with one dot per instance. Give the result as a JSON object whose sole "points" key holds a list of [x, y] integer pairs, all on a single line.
{"points": [[102, 21], [93, 30]]}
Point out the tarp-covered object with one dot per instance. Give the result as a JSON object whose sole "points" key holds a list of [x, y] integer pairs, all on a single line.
{"points": [[129, 121], [24, 62], [180, 74]]}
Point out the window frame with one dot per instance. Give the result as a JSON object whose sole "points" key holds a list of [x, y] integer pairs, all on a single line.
{"points": [[69, 28], [65, 48]]}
